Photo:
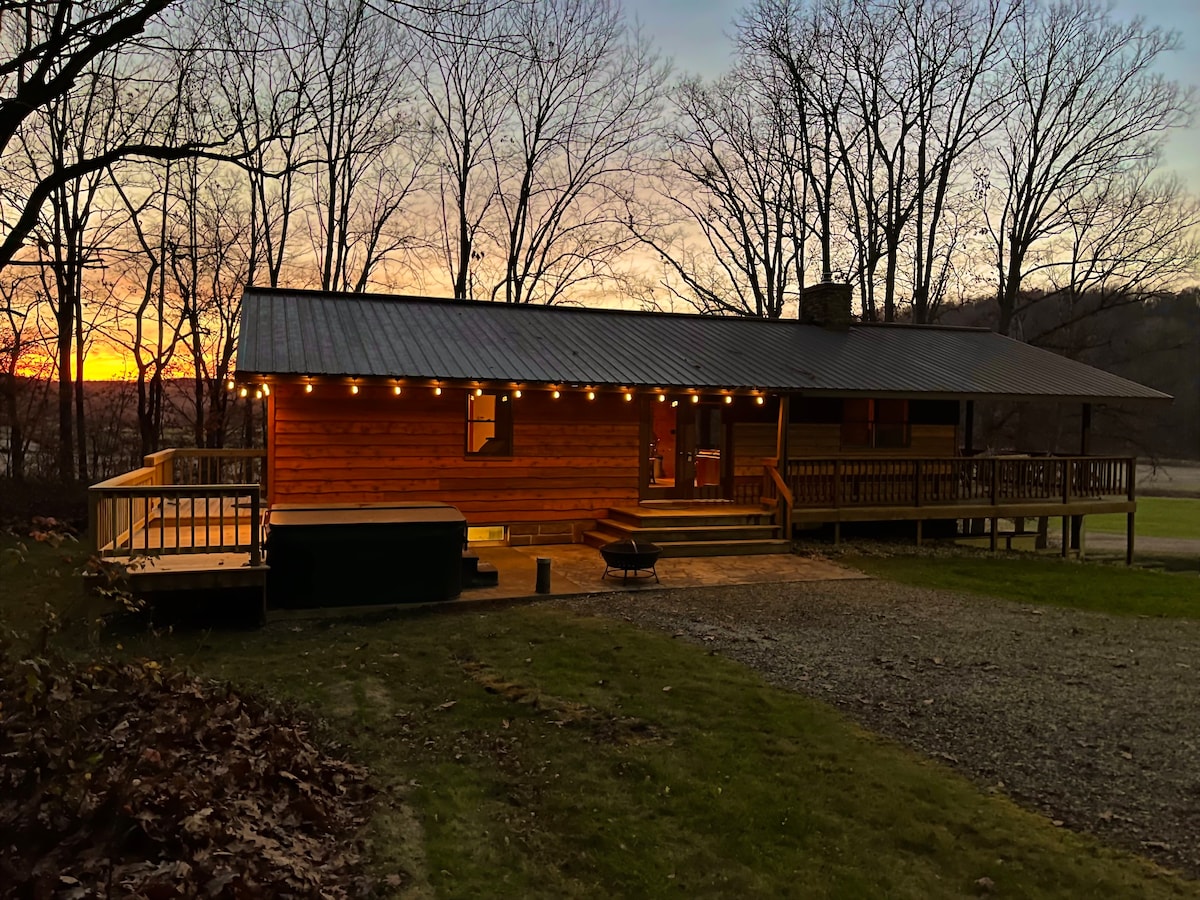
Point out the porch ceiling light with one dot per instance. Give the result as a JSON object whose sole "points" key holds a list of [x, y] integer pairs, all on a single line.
{"points": [[759, 400], [556, 395], [662, 398], [628, 396], [591, 395], [229, 385], [397, 390], [266, 389], [728, 398], [308, 389], [258, 395], [478, 392], [517, 395], [437, 392], [354, 388], [695, 398], [243, 392]]}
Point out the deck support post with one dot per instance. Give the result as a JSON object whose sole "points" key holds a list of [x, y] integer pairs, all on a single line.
{"points": [[1131, 495], [255, 528], [1066, 536], [919, 532], [1077, 534], [994, 538], [837, 533]]}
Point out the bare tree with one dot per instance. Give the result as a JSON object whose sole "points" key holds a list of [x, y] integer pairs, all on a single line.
{"points": [[458, 72], [584, 96], [1086, 110], [734, 186], [367, 157]]}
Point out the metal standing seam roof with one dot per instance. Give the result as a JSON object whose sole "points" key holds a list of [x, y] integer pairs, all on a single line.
{"points": [[313, 333]]}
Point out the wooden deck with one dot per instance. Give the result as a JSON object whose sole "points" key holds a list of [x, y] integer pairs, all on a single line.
{"points": [[173, 531]]}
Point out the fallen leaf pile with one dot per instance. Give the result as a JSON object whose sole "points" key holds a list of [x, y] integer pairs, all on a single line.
{"points": [[131, 780]]}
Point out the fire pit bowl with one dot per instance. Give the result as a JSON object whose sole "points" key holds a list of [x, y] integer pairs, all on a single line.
{"points": [[636, 557]]}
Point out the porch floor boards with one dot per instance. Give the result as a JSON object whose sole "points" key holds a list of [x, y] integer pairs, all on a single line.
{"points": [[192, 572]]}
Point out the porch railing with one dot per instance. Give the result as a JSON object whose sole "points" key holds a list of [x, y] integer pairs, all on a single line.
{"points": [[836, 483], [169, 506]]}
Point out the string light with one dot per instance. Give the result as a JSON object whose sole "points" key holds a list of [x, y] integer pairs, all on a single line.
{"points": [[243, 392], [258, 395], [229, 385], [308, 389]]}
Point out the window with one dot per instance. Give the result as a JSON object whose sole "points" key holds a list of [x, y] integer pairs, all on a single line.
{"points": [[875, 424], [489, 424], [487, 535]]}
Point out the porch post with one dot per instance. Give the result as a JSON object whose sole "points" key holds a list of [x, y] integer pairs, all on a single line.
{"points": [[781, 461], [969, 440], [781, 437]]}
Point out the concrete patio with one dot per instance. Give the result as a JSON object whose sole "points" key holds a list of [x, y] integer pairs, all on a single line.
{"points": [[576, 569]]}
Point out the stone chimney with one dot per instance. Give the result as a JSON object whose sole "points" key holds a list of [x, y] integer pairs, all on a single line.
{"points": [[826, 304]]}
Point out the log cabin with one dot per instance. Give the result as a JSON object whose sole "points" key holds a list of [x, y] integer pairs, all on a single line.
{"points": [[704, 434]]}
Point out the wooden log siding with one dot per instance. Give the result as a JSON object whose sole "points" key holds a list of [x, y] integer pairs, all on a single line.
{"points": [[572, 458], [755, 440]]}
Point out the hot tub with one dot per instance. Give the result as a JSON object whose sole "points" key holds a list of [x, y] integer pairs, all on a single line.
{"points": [[370, 553]]}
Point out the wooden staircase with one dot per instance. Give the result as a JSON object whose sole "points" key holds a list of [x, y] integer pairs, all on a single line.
{"points": [[702, 530]]}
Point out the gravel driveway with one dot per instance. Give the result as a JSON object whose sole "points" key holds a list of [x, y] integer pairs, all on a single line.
{"points": [[1093, 720]]}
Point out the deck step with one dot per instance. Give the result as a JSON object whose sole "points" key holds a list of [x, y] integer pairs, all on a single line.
{"points": [[676, 549], [485, 575], [686, 548], [649, 517], [658, 534], [477, 573]]}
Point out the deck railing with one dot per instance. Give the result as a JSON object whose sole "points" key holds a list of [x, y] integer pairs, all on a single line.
{"points": [[169, 506], [897, 481]]}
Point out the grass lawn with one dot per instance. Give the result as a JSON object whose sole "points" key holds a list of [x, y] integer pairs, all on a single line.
{"points": [[1175, 517], [533, 752], [1098, 587]]}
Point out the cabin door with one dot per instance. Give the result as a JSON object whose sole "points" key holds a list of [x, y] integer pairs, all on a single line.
{"points": [[690, 450]]}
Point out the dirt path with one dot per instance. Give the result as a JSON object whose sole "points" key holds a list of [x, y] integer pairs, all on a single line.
{"points": [[1088, 718]]}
